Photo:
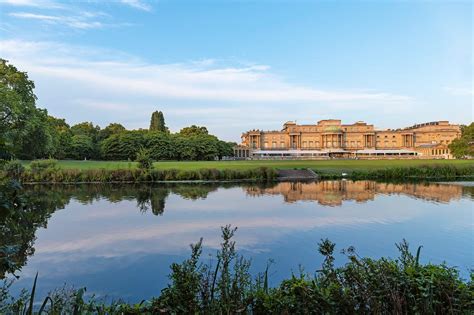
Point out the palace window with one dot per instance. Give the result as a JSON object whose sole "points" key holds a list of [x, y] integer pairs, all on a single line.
{"points": [[282, 144], [274, 144]]}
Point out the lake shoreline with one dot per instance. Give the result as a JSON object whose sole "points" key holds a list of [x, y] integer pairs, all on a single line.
{"points": [[458, 181]]}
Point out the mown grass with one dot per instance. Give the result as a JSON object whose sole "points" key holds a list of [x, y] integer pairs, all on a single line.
{"points": [[325, 165]]}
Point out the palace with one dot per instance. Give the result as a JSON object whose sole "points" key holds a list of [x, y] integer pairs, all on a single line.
{"points": [[332, 139]]}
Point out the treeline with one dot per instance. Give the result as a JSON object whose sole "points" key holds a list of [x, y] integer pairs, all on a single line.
{"points": [[28, 132]]}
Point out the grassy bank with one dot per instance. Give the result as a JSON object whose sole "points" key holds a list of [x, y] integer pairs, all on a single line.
{"points": [[224, 285], [52, 171], [324, 165], [58, 175]]}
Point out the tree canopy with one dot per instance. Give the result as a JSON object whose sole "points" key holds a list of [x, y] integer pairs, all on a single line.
{"points": [[464, 146]]}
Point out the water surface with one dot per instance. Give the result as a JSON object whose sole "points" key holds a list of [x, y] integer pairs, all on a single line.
{"points": [[120, 240]]}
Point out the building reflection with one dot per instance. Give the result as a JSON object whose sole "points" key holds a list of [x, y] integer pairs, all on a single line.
{"points": [[334, 193]]}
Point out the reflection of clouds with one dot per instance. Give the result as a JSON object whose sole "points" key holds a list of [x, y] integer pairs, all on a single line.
{"points": [[173, 232], [260, 221], [89, 241]]}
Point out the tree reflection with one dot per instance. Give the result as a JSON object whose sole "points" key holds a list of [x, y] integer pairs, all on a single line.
{"points": [[25, 209], [22, 212]]}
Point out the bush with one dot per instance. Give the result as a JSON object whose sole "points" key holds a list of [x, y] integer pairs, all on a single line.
{"points": [[39, 166], [13, 169], [145, 162]]}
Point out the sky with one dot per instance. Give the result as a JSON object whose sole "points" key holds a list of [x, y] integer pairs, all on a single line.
{"points": [[239, 65]]}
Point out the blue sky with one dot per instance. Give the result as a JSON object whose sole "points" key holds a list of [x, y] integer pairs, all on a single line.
{"points": [[237, 65]]}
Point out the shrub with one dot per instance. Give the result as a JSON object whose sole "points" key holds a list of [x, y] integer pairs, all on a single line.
{"points": [[39, 166], [145, 162], [13, 169]]}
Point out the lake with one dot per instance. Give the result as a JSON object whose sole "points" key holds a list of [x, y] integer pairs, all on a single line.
{"points": [[119, 240]]}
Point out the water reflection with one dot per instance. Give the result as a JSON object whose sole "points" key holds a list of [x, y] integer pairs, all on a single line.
{"points": [[86, 235], [334, 193]]}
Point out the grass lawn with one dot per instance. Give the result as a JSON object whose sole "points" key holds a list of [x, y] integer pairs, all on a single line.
{"points": [[324, 165]]}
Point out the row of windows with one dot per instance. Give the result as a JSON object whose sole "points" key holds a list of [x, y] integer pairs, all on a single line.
{"points": [[439, 151]]}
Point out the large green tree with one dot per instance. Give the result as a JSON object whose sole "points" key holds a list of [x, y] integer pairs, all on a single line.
{"points": [[157, 122], [34, 140], [17, 99], [464, 146], [20, 120]]}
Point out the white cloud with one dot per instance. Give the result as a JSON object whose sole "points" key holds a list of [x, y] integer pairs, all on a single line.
{"points": [[32, 3], [72, 80], [179, 80], [459, 91], [137, 4], [84, 20]]}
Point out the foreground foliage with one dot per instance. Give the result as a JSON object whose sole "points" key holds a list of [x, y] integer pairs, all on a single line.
{"points": [[225, 286]]}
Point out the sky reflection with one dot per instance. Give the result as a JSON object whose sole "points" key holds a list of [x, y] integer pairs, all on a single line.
{"points": [[111, 246]]}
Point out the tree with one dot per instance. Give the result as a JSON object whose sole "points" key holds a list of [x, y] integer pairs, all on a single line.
{"points": [[34, 140], [17, 106], [193, 131], [145, 162], [161, 145], [82, 147], [123, 146], [86, 129], [17, 99], [111, 129], [157, 122], [60, 137], [463, 146], [225, 148]]}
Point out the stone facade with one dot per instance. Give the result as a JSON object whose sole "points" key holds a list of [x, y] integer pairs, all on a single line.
{"points": [[332, 137]]}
